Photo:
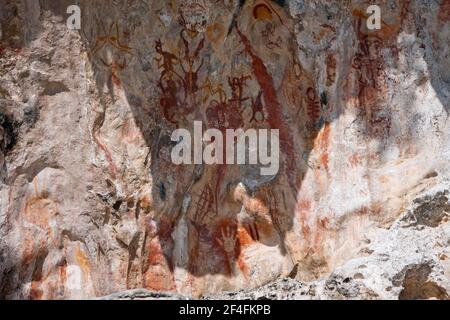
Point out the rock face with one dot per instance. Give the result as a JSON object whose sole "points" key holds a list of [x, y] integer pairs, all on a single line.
{"points": [[408, 261], [92, 204]]}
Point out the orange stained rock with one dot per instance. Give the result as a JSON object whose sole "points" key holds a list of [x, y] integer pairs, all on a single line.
{"points": [[29, 248], [322, 140], [30, 257], [159, 279], [262, 12], [322, 143], [145, 203], [324, 160], [157, 271], [82, 261], [36, 292], [155, 253], [215, 32], [244, 240], [387, 31], [244, 237], [265, 230], [37, 211], [62, 271]]}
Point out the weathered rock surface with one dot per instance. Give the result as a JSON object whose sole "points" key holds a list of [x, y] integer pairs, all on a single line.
{"points": [[91, 203], [407, 261], [143, 294]]}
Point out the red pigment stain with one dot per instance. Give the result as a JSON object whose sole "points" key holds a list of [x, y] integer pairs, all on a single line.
{"points": [[165, 228], [158, 278], [321, 226], [323, 143], [116, 80], [273, 109], [244, 238], [15, 51], [363, 211], [112, 169], [312, 105], [158, 266], [223, 226], [303, 207], [355, 160], [36, 292], [444, 11], [63, 276]]}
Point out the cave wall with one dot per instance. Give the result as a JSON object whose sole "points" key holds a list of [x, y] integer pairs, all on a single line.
{"points": [[88, 191]]}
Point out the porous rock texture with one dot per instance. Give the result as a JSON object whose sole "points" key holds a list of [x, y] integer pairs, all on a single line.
{"points": [[88, 192]]}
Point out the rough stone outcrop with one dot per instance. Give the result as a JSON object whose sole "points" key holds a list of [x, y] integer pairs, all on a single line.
{"points": [[407, 261], [143, 294], [91, 203]]}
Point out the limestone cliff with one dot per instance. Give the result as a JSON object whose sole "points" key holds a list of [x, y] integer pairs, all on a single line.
{"points": [[91, 203]]}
